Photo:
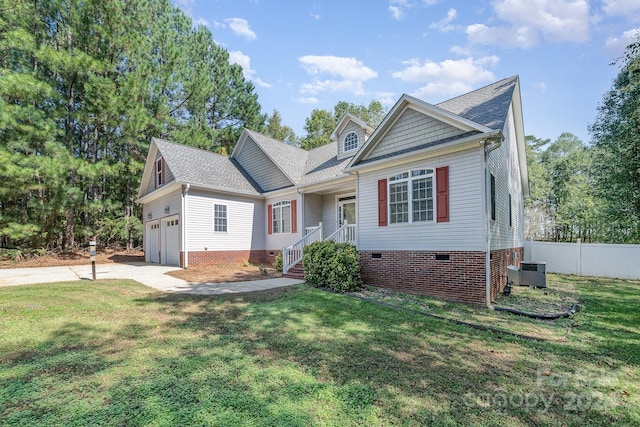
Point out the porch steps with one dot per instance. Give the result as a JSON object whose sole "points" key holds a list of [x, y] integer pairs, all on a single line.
{"points": [[295, 272]]}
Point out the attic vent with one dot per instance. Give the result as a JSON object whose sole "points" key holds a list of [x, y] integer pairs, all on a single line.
{"points": [[442, 257], [376, 255]]}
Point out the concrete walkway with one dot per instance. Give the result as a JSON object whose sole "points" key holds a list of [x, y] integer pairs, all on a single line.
{"points": [[151, 275]]}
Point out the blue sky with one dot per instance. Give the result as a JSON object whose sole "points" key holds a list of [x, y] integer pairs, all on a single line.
{"points": [[303, 55]]}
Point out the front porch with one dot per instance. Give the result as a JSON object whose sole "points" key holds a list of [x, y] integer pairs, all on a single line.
{"points": [[292, 254]]}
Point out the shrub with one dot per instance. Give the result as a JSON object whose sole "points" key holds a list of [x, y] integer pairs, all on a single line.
{"points": [[277, 264], [333, 265]]}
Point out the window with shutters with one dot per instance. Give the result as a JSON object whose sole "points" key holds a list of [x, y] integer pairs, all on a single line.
{"points": [[281, 217], [411, 196]]}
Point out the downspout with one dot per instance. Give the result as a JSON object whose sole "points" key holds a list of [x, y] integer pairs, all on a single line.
{"points": [[185, 191], [490, 145], [357, 210]]}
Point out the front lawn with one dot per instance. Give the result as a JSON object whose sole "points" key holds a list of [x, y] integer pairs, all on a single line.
{"points": [[118, 353]]}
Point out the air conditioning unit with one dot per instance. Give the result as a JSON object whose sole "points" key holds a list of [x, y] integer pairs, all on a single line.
{"points": [[533, 274], [513, 275]]}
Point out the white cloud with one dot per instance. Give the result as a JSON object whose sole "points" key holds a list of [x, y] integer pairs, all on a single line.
{"points": [[627, 8], [528, 20], [347, 68], [444, 24], [449, 77], [542, 86], [308, 100], [237, 57], [459, 50], [316, 16], [240, 27], [616, 45], [396, 12], [348, 73], [522, 37], [386, 98], [396, 8], [319, 86]]}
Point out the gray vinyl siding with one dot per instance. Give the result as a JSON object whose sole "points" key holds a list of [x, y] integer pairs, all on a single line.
{"points": [[503, 164], [410, 130], [245, 222], [465, 229], [152, 179], [280, 240], [350, 127], [256, 163], [312, 210]]}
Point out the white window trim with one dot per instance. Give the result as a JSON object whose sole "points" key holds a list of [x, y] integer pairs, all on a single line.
{"points": [[159, 172], [226, 218], [393, 179], [344, 142], [280, 206], [344, 198]]}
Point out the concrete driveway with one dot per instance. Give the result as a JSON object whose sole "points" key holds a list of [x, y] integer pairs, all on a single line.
{"points": [[151, 275]]}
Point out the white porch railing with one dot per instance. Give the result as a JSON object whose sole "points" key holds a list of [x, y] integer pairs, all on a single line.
{"points": [[291, 255], [346, 233]]}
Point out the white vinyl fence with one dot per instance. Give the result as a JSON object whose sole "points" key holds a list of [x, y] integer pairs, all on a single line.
{"points": [[586, 259]]}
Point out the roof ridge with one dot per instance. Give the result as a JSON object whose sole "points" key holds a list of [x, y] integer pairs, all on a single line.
{"points": [[515, 76], [189, 147], [286, 144]]}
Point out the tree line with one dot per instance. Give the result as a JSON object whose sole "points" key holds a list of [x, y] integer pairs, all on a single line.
{"points": [[85, 84], [591, 192]]}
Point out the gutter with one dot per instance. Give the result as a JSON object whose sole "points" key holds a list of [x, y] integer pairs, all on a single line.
{"points": [[185, 191], [490, 144]]}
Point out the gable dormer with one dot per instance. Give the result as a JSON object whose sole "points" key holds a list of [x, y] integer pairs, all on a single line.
{"points": [[350, 133]]}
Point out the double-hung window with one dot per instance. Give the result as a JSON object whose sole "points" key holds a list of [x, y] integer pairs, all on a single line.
{"points": [[220, 218], [281, 217], [411, 196]]}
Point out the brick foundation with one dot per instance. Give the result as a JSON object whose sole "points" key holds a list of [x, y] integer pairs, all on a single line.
{"points": [[448, 275], [229, 258]]}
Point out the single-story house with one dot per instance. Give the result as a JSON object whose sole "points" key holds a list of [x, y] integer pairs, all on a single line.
{"points": [[432, 197]]}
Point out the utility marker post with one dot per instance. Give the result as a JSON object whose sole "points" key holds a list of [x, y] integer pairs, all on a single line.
{"points": [[92, 255]]}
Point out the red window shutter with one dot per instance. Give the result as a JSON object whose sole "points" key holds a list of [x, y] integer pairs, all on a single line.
{"points": [[382, 203], [294, 216], [162, 160], [270, 219], [442, 194]]}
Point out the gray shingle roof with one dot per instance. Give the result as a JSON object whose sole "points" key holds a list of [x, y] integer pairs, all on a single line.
{"points": [[201, 167], [323, 164], [289, 159], [488, 106]]}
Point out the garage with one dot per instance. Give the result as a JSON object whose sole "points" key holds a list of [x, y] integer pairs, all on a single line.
{"points": [[152, 247], [171, 242]]}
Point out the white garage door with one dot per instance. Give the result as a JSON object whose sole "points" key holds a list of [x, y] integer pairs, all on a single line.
{"points": [[171, 246], [152, 250]]}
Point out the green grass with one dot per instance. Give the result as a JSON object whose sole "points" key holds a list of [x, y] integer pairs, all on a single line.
{"points": [[117, 353]]}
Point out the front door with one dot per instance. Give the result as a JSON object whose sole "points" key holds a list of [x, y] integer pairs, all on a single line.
{"points": [[346, 210]]}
